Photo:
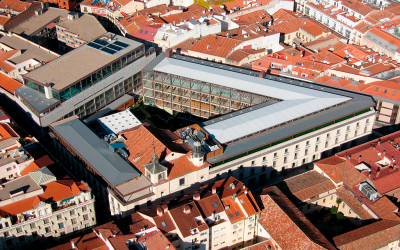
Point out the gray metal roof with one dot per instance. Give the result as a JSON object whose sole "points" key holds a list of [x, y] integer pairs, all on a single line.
{"points": [[297, 100], [36, 99], [95, 151]]}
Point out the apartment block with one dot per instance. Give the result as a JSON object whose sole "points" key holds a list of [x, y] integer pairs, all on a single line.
{"points": [[93, 76], [221, 215], [43, 203], [77, 29]]}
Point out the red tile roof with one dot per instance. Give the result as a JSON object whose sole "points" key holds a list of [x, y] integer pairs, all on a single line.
{"points": [[147, 32], [309, 185], [375, 16], [215, 46], [283, 15], [340, 170], [359, 7], [22, 6], [313, 29], [87, 242], [373, 236], [385, 209], [4, 19], [326, 57], [185, 221], [156, 241], [355, 204], [18, 207], [60, 190], [386, 36], [141, 140], [286, 224], [31, 167], [9, 84], [259, 16]]}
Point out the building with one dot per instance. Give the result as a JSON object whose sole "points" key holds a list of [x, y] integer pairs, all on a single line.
{"points": [[221, 215], [154, 165], [93, 76], [44, 202], [76, 30], [216, 90], [21, 56], [382, 42], [378, 235], [40, 28], [280, 218]]}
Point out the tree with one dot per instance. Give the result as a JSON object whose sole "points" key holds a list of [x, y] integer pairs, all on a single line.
{"points": [[334, 210], [340, 216], [338, 202]]}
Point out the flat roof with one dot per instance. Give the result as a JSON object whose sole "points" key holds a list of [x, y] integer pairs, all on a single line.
{"points": [[118, 122], [297, 100], [36, 23], [87, 27], [29, 50], [35, 98], [25, 183], [80, 62], [301, 97], [95, 151]]}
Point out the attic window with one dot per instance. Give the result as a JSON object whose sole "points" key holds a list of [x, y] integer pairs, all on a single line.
{"points": [[152, 34], [394, 92], [231, 216], [163, 224], [146, 32], [141, 31], [377, 88], [215, 204], [237, 214]]}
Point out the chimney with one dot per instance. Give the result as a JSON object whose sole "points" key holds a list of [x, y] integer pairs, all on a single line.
{"points": [[359, 157], [214, 190], [369, 175], [234, 197], [160, 211], [379, 141], [196, 197], [262, 74], [168, 52], [73, 245], [378, 172], [232, 185], [164, 207], [384, 151], [186, 209]]}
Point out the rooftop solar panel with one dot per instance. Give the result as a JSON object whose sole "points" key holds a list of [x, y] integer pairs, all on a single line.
{"points": [[94, 45], [109, 51], [121, 44], [116, 48], [101, 42]]}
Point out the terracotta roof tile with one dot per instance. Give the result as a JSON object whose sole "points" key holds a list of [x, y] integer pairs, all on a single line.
{"points": [[358, 6], [363, 27], [373, 236], [215, 46], [355, 205], [339, 170], [309, 185], [326, 57], [287, 225], [283, 15], [9, 84], [156, 241], [18, 207], [59, 190], [259, 16], [22, 6], [313, 29], [8, 4], [87, 241], [31, 167], [185, 221], [385, 209], [4, 19]]}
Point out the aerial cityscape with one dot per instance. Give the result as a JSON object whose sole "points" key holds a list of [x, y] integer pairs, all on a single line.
{"points": [[199, 124]]}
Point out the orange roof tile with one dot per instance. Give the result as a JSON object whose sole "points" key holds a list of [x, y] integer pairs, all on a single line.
{"points": [[339, 170], [287, 225], [313, 29], [4, 19], [373, 236], [326, 57], [259, 16], [18, 207], [9, 84], [22, 6], [361, 7], [363, 27], [385, 209], [215, 46], [59, 190], [386, 36], [355, 205], [31, 167], [8, 4], [87, 241], [283, 15]]}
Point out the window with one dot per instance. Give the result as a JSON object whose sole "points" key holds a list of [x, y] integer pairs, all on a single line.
{"points": [[274, 164], [75, 229], [34, 234], [72, 212], [252, 171], [84, 208], [285, 160], [73, 221], [46, 221], [19, 230], [61, 225], [181, 181], [85, 217], [47, 229], [9, 169], [59, 217], [9, 242], [10, 176], [326, 144], [21, 238], [306, 152]]}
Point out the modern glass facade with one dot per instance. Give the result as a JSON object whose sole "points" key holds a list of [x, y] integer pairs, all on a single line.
{"points": [[195, 97]]}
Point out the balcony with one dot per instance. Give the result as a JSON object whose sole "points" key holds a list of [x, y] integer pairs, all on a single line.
{"points": [[63, 207], [308, 146], [328, 138], [318, 142], [286, 154], [297, 150]]}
